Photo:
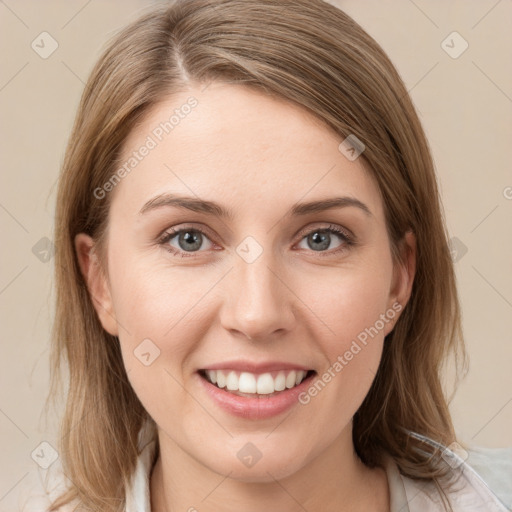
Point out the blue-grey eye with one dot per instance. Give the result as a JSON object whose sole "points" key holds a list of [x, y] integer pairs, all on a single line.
{"points": [[320, 239], [189, 240]]}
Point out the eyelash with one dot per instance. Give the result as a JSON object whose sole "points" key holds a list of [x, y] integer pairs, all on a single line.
{"points": [[348, 241]]}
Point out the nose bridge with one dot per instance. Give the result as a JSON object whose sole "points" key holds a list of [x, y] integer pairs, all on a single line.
{"points": [[259, 303]]}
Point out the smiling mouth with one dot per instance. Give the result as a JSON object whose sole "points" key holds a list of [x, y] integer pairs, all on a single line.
{"points": [[261, 386]]}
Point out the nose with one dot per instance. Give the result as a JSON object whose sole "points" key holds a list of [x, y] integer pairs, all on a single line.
{"points": [[259, 303]]}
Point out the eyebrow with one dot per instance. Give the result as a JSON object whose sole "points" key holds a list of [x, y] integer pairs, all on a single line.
{"points": [[209, 207]]}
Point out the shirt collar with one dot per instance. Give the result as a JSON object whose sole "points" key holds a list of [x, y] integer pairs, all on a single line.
{"points": [[138, 498], [398, 501]]}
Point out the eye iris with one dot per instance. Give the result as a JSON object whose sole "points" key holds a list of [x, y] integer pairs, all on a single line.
{"points": [[324, 239], [192, 239]]}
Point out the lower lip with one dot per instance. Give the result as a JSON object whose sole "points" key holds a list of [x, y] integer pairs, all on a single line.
{"points": [[255, 408]]}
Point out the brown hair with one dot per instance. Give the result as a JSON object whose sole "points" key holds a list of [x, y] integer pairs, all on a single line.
{"points": [[313, 55]]}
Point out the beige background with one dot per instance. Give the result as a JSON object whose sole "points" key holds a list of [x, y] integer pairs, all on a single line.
{"points": [[465, 105]]}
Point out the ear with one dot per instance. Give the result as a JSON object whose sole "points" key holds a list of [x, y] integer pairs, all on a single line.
{"points": [[97, 283], [403, 277]]}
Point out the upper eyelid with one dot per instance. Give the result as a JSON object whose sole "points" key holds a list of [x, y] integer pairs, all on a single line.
{"points": [[344, 231], [171, 232]]}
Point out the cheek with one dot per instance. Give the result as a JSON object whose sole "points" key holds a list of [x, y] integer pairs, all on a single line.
{"points": [[158, 310], [347, 302], [161, 313], [352, 313], [152, 300]]}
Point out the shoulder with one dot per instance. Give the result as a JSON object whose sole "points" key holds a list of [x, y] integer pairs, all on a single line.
{"points": [[482, 482], [494, 466], [40, 488]]}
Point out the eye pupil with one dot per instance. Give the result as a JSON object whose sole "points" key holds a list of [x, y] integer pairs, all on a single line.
{"points": [[324, 240]]}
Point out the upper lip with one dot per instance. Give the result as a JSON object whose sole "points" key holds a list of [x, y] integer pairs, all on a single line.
{"points": [[252, 367]]}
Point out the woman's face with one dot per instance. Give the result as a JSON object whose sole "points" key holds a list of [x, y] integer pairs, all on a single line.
{"points": [[264, 284]]}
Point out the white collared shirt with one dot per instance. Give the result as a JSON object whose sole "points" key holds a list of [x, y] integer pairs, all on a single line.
{"points": [[470, 492]]}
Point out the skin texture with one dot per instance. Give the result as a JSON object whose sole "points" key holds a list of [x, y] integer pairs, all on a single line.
{"points": [[257, 156]]}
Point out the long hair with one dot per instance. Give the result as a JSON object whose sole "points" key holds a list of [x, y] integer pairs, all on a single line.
{"points": [[315, 56]]}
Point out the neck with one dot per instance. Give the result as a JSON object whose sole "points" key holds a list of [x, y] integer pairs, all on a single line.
{"points": [[334, 479]]}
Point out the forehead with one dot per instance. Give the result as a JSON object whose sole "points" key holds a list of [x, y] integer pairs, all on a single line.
{"points": [[239, 146]]}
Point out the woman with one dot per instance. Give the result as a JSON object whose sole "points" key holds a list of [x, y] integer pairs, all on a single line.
{"points": [[255, 294]]}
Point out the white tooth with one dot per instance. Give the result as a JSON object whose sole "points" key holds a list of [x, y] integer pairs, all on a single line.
{"points": [[265, 384], [221, 379], [232, 381], [247, 383], [280, 381], [290, 380]]}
